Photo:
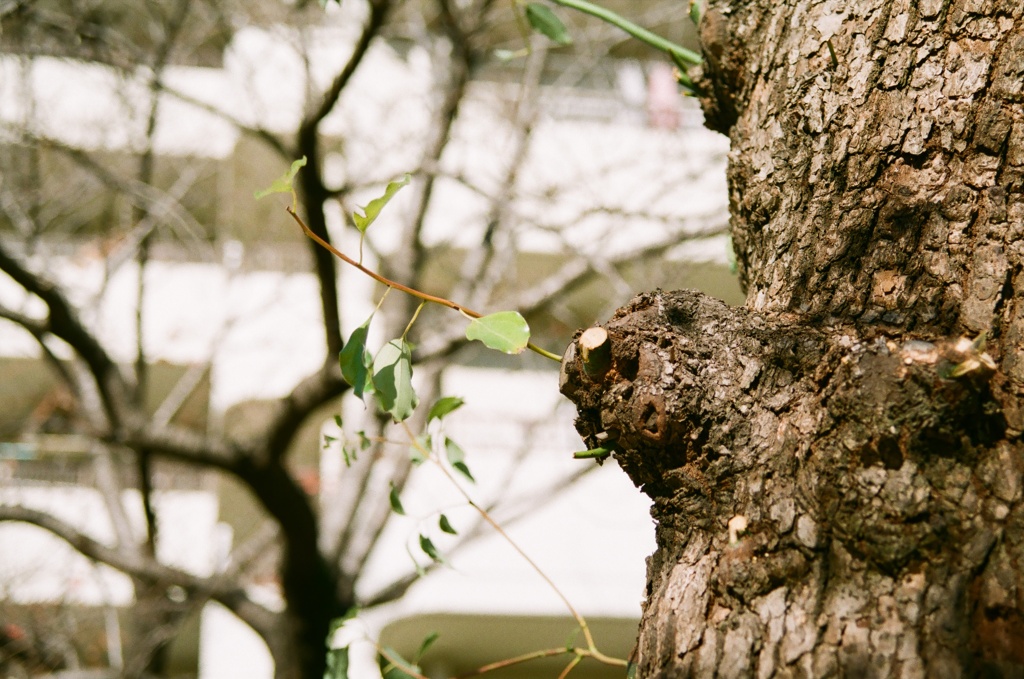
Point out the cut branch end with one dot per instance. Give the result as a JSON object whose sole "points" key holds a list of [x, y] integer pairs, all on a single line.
{"points": [[596, 352]]}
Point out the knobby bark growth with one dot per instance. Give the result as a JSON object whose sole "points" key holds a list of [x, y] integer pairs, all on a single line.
{"points": [[871, 446]]}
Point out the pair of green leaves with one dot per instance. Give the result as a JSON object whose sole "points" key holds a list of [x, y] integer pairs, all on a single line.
{"points": [[388, 375], [394, 666], [285, 183], [427, 545], [454, 453]]}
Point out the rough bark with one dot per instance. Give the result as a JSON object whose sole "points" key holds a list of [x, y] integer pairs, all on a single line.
{"points": [[848, 414]]}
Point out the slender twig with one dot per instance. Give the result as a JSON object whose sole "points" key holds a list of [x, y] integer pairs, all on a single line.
{"points": [[656, 41], [399, 663], [519, 659], [572, 663], [419, 294], [580, 620]]}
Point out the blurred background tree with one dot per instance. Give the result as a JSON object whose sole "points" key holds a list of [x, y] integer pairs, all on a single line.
{"points": [[133, 136]]}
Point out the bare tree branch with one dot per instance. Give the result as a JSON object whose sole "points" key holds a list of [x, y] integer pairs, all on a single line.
{"points": [[315, 194], [147, 196], [292, 411], [478, 279], [266, 136], [184, 445], [63, 322], [139, 566], [411, 252]]}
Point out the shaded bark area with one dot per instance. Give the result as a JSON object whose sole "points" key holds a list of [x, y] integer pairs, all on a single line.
{"points": [[837, 468]]}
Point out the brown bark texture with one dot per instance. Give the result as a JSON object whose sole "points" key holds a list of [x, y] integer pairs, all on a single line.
{"points": [[836, 468]]}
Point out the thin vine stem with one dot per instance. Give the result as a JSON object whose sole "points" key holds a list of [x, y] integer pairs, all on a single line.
{"points": [[398, 663], [572, 663], [638, 32], [591, 650], [413, 319], [419, 294]]}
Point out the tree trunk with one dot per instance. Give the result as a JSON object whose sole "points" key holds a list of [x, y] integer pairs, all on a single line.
{"points": [[836, 469]]}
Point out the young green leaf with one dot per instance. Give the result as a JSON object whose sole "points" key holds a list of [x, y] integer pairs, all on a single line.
{"points": [[355, 360], [373, 208], [505, 331], [394, 666], [543, 20], [349, 454], [427, 545], [445, 525], [396, 502], [283, 184], [428, 641], [457, 458], [695, 12], [464, 470], [392, 379], [443, 406], [570, 641]]}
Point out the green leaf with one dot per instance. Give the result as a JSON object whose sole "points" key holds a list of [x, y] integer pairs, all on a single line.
{"points": [[443, 406], [446, 526], [355, 360], [392, 379], [545, 21], [570, 641], [695, 12], [456, 458], [464, 470], [373, 208], [349, 454], [430, 550], [283, 184], [396, 502], [505, 331], [364, 440], [428, 641]]}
